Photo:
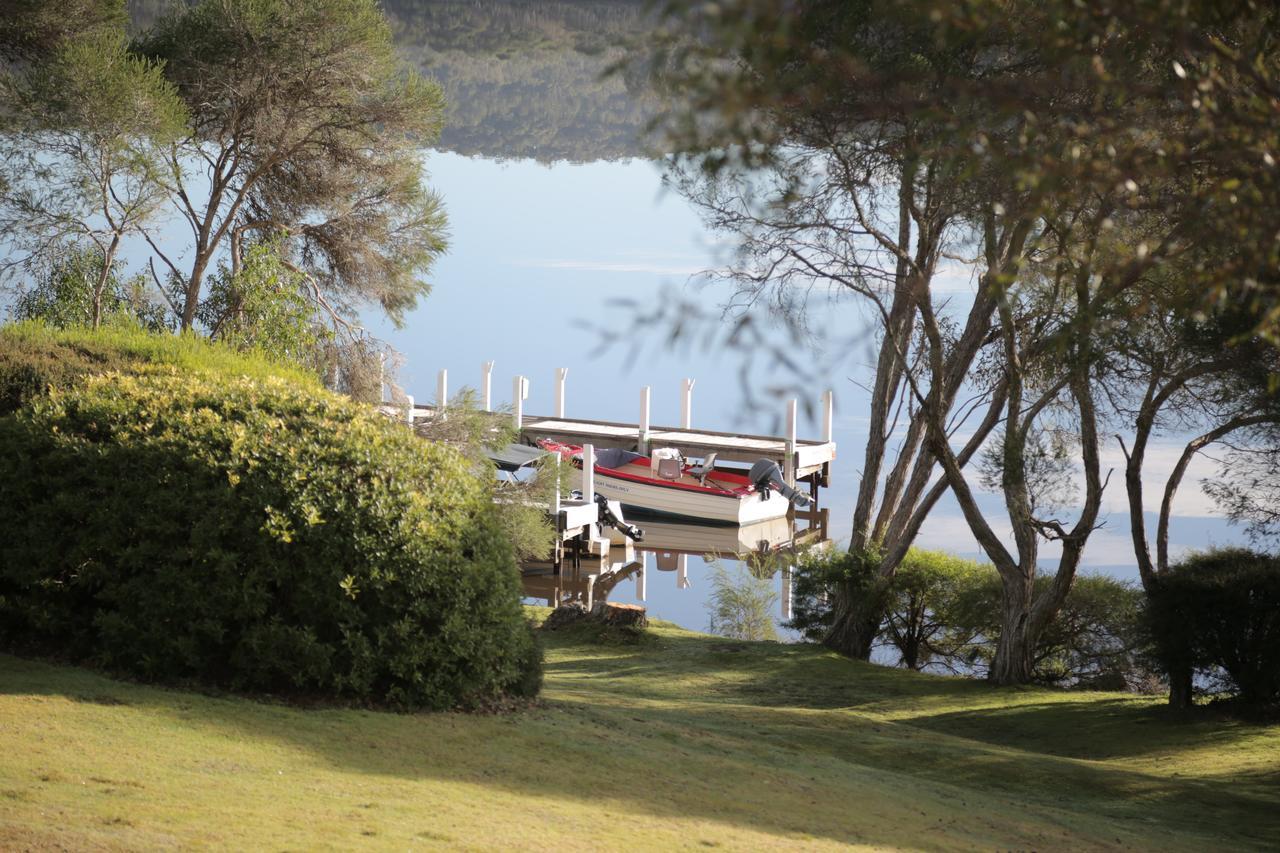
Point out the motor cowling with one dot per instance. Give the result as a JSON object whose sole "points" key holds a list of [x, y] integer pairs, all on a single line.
{"points": [[611, 514], [766, 475]]}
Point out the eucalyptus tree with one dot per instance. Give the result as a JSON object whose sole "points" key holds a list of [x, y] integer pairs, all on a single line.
{"points": [[1204, 380], [33, 30], [1068, 119], [824, 150], [305, 130], [81, 153]]}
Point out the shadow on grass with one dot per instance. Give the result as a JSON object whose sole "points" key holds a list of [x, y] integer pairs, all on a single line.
{"points": [[756, 735], [1091, 728]]}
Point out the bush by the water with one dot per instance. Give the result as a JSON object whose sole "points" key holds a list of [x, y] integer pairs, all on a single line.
{"points": [[942, 612], [176, 512], [1219, 614]]}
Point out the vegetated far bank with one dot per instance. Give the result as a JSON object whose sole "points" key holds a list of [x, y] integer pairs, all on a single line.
{"points": [[181, 513], [682, 741]]}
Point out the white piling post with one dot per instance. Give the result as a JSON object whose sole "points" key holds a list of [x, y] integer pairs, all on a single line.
{"points": [[442, 393], [682, 572], [561, 373], [409, 411], [828, 415], [686, 404], [382, 377], [785, 593], [591, 591], [518, 390], [640, 590], [589, 473], [487, 367], [555, 502], [643, 437], [790, 468]]}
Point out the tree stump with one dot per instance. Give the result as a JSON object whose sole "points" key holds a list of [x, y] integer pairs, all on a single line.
{"points": [[619, 615], [566, 614]]}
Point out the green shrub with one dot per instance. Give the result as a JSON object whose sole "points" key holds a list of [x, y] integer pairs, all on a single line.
{"points": [[942, 612], [253, 533], [742, 600], [939, 610], [35, 358], [816, 578], [1219, 612]]}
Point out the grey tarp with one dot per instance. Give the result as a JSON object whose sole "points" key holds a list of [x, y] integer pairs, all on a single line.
{"points": [[513, 457]]}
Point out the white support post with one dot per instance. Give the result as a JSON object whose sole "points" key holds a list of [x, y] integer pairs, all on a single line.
{"points": [[589, 473], [442, 393], [487, 367], [519, 389], [828, 415], [784, 594], [686, 404], [789, 470], [640, 577], [643, 437], [591, 591], [682, 572], [382, 377], [561, 373], [408, 417], [555, 501]]}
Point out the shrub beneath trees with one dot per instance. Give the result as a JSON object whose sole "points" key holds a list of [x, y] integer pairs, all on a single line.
{"points": [[1218, 614], [942, 612], [254, 533]]}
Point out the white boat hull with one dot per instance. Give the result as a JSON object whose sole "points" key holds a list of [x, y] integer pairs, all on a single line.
{"points": [[639, 497]]}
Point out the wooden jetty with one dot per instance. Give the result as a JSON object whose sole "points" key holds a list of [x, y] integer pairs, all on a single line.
{"points": [[802, 460], [580, 539]]}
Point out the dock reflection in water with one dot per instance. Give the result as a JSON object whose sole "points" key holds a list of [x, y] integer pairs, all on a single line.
{"points": [[680, 551]]}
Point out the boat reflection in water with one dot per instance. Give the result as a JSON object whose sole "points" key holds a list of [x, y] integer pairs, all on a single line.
{"points": [[668, 547]]}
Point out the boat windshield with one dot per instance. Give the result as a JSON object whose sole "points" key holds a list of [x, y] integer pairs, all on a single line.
{"points": [[614, 457]]}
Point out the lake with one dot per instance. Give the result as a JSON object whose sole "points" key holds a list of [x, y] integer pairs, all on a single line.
{"points": [[557, 217]]}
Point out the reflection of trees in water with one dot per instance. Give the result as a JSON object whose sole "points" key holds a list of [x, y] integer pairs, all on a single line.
{"points": [[525, 78]]}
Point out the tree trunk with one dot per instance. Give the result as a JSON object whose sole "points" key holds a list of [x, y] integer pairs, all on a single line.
{"points": [[1013, 661], [1180, 695], [855, 623], [100, 286], [194, 285]]}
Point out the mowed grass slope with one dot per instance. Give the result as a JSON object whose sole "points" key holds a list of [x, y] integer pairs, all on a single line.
{"points": [[684, 741]]}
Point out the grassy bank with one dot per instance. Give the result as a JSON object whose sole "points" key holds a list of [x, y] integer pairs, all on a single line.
{"points": [[684, 741]]}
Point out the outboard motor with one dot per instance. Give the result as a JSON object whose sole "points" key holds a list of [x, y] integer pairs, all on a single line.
{"points": [[766, 474], [611, 514]]}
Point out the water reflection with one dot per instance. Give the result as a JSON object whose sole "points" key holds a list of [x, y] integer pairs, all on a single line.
{"points": [[527, 78], [665, 571]]}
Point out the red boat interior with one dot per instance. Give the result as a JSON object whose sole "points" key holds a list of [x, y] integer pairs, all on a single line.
{"points": [[638, 470]]}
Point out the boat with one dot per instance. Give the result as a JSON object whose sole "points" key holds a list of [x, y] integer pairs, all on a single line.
{"points": [[665, 484], [677, 536]]}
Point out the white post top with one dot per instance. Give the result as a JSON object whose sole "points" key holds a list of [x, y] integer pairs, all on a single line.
{"points": [[442, 391], [589, 473], [789, 469], [828, 415], [686, 403], [644, 414], [519, 388], [561, 373], [487, 369], [409, 411]]}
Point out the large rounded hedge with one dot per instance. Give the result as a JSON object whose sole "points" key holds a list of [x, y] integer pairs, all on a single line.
{"points": [[1219, 612], [197, 525]]}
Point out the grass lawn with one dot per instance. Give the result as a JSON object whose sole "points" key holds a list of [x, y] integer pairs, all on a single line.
{"points": [[685, 741]]}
